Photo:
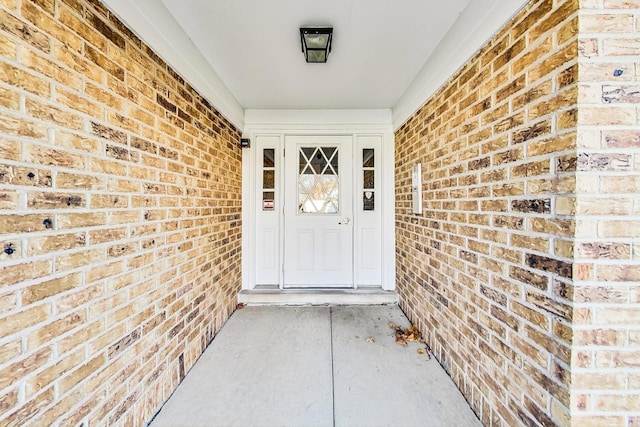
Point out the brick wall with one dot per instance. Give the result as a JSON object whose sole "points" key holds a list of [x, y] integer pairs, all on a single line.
{"points": [[120, 195], [524, 271], [606, 359], [487, 271]]}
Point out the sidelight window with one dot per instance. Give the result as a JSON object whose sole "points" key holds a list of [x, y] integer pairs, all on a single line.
{"points": [[368, 179], [268, 179]]}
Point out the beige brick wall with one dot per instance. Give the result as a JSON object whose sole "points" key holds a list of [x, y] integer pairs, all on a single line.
{"points": [[606, 294], [487, 271], [120, 202], [524, 271]]}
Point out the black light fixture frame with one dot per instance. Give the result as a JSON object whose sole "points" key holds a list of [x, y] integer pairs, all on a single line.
{"points": [[316, 31]]}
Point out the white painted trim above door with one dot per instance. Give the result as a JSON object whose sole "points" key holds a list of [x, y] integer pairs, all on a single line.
{"points": [[271, 128]]}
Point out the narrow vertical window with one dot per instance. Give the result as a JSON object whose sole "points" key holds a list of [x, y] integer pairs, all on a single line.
{"points": [[368, 179], [268, 179]]}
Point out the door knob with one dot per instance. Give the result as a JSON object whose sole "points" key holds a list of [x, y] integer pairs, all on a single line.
{"points": [[345, 221]]}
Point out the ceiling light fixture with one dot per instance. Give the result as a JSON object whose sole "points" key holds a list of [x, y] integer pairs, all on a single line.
{"points": [[316, 43]]}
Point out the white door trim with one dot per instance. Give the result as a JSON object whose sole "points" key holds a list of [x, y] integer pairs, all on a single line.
{"points": [[279, 124]]}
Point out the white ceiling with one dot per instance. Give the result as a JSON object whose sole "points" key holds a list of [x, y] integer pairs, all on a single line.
{"points": [[378, 48], [246, 54]]}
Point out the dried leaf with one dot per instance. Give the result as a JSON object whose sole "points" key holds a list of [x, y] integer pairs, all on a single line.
{"points": [[403, 336], [370, 339], [240, 306], [420, 351]]}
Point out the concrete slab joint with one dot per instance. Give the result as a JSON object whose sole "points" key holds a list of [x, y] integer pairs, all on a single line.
{"points": [[315, 366]]}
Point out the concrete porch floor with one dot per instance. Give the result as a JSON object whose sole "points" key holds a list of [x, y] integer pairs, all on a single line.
{"points": [[315, 366]]}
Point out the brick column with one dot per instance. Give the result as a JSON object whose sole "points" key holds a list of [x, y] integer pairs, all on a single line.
{"points": [[606, 358]]}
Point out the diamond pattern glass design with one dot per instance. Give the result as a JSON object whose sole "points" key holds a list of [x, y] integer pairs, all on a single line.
{"points": [[318, 180]]}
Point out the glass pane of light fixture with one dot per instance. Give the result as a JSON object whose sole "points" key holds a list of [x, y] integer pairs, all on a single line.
{"points": [[317, 56], [316, 41]]}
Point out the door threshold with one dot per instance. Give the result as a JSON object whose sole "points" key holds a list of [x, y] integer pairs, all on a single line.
{"points": [[362, 296]]}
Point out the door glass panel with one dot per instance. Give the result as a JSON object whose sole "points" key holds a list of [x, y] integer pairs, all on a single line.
{"points": [[306, 158], [332, 157], [318, 180]]}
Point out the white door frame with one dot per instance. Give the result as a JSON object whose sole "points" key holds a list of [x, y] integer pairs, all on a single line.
{"points": [[277, 125]]}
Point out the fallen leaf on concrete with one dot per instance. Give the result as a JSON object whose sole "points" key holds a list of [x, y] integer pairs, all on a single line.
{"points": [[370, 339], [407, 335], [240, 306], [411, 334]]}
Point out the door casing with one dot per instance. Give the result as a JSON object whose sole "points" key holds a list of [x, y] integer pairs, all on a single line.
{"points": [[263, 236]]}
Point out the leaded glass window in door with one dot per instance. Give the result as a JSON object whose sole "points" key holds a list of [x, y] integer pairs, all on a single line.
{"points": [[318, 180]]}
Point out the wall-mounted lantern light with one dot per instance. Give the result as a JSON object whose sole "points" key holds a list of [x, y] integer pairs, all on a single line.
{"points": [[316, 43]]}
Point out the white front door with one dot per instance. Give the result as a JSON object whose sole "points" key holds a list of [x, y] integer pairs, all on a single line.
{"points": [[318, 211]]}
